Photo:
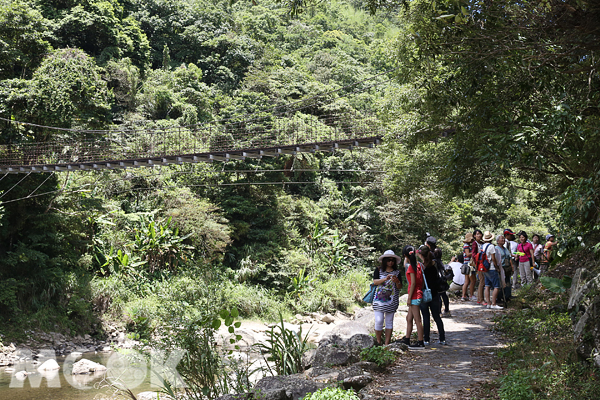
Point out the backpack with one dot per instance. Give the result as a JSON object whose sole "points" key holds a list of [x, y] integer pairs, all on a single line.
{"points": [[481, 261], [441, 284]]}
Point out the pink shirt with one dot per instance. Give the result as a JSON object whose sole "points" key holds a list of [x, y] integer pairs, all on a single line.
{"points": [[525, 248]]}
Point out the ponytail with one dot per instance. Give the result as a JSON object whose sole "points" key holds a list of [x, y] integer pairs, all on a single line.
{"points": [[427, 256], [409, 252]]}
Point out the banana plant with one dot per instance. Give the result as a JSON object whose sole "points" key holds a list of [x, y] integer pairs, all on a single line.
{"points": [[300, 283]]}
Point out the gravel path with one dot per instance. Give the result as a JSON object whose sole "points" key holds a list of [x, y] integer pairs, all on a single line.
{"points": [[446, 372]]}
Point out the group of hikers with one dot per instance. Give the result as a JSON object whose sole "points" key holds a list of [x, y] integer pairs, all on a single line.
{"points": [[494, 269]]}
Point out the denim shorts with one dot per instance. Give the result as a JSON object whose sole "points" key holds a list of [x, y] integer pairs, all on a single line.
{"points": [[492, 279], [416, 302]]}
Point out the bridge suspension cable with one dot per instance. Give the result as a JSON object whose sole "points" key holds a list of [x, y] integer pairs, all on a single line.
{"points": [[253, 135]]}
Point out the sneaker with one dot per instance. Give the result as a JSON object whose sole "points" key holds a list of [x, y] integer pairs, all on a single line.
{"points": [[473, 298], [442, 342], [446, 314], [484, 304], [488, 306], [464, 298], [404, 340], [419, 345], [426, 342], [496, 307]]}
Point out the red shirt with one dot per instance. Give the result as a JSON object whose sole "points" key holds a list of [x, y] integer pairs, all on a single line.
{"points": [[418, 293]]}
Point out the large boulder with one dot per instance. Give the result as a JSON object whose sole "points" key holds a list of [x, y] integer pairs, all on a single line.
{"points": [[584, 306], [331, 355], [357, 382], [49, 365], [361, 341], [339, 348], [366, 318], [292, 387], [308, 358], [317, 371], [85, 366]]}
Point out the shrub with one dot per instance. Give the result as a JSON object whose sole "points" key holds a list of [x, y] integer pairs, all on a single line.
{"points": [[378, 355], [190, 326], [332, 394], [337, 293], [285, 349], [252, 301]]}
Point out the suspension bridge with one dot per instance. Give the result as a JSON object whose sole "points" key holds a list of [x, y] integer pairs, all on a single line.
{"points": [[293, 128], [79, 150]]}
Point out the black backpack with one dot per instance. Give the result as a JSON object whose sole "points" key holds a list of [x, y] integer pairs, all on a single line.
{"points": [[442, 284]]}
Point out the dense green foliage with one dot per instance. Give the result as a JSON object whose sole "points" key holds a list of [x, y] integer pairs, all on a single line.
{"points": [[379, 355], [490, 109], [120, 240], [332, 394], [540, 361]]}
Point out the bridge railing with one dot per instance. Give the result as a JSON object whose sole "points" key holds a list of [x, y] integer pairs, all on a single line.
{"points": [[155, 141]]}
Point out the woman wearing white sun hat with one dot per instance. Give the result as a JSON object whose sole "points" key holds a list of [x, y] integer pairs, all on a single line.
{"points": [[386, 300]]}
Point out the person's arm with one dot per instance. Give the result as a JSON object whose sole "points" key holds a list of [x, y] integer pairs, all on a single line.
{"points": [[468, 252], [494, 258], [380, 281], [532, 257], [397, 281], [498, 255], [411, 288]]}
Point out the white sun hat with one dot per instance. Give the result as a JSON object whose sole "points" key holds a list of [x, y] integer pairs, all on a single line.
{"points": [[391, 254]]}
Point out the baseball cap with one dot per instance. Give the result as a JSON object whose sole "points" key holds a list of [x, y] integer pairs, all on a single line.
{"points": [[508, 232], [548, 236]]}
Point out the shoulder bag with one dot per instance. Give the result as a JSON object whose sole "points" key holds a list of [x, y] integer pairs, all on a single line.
{"points": [[427, 296], [370, 294]]}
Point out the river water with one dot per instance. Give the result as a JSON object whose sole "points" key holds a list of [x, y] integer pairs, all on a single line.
{"points": [[75, 387]]}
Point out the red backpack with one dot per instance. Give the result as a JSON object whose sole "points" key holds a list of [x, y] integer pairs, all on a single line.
{"points": [[481, 261]]}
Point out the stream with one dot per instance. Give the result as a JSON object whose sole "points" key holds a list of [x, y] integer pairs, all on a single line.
{"points": [[72, 387]]}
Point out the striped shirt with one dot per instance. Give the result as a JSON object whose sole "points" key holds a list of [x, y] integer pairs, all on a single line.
{"points": [[466, 246], [387, 295]]}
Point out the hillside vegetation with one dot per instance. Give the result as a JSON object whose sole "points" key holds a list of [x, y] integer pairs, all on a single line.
{"points": [[491, 117]]}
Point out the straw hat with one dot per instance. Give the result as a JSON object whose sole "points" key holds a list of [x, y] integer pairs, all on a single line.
{"points": [[488, 236], [390, 254], [468, 238]]}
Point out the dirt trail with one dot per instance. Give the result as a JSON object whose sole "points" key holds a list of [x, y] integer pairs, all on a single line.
{"points": [[445, 372]]}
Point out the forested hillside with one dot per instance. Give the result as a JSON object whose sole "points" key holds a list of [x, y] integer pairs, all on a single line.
{"points": [[489, 128]]}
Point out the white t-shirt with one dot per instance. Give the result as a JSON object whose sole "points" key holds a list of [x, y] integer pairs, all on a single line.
{"points": [[513, 247], [490, 250], [537, 251], [459, 278]]}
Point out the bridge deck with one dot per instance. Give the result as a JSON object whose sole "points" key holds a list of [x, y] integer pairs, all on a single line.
{"points": [[209, 156]]}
